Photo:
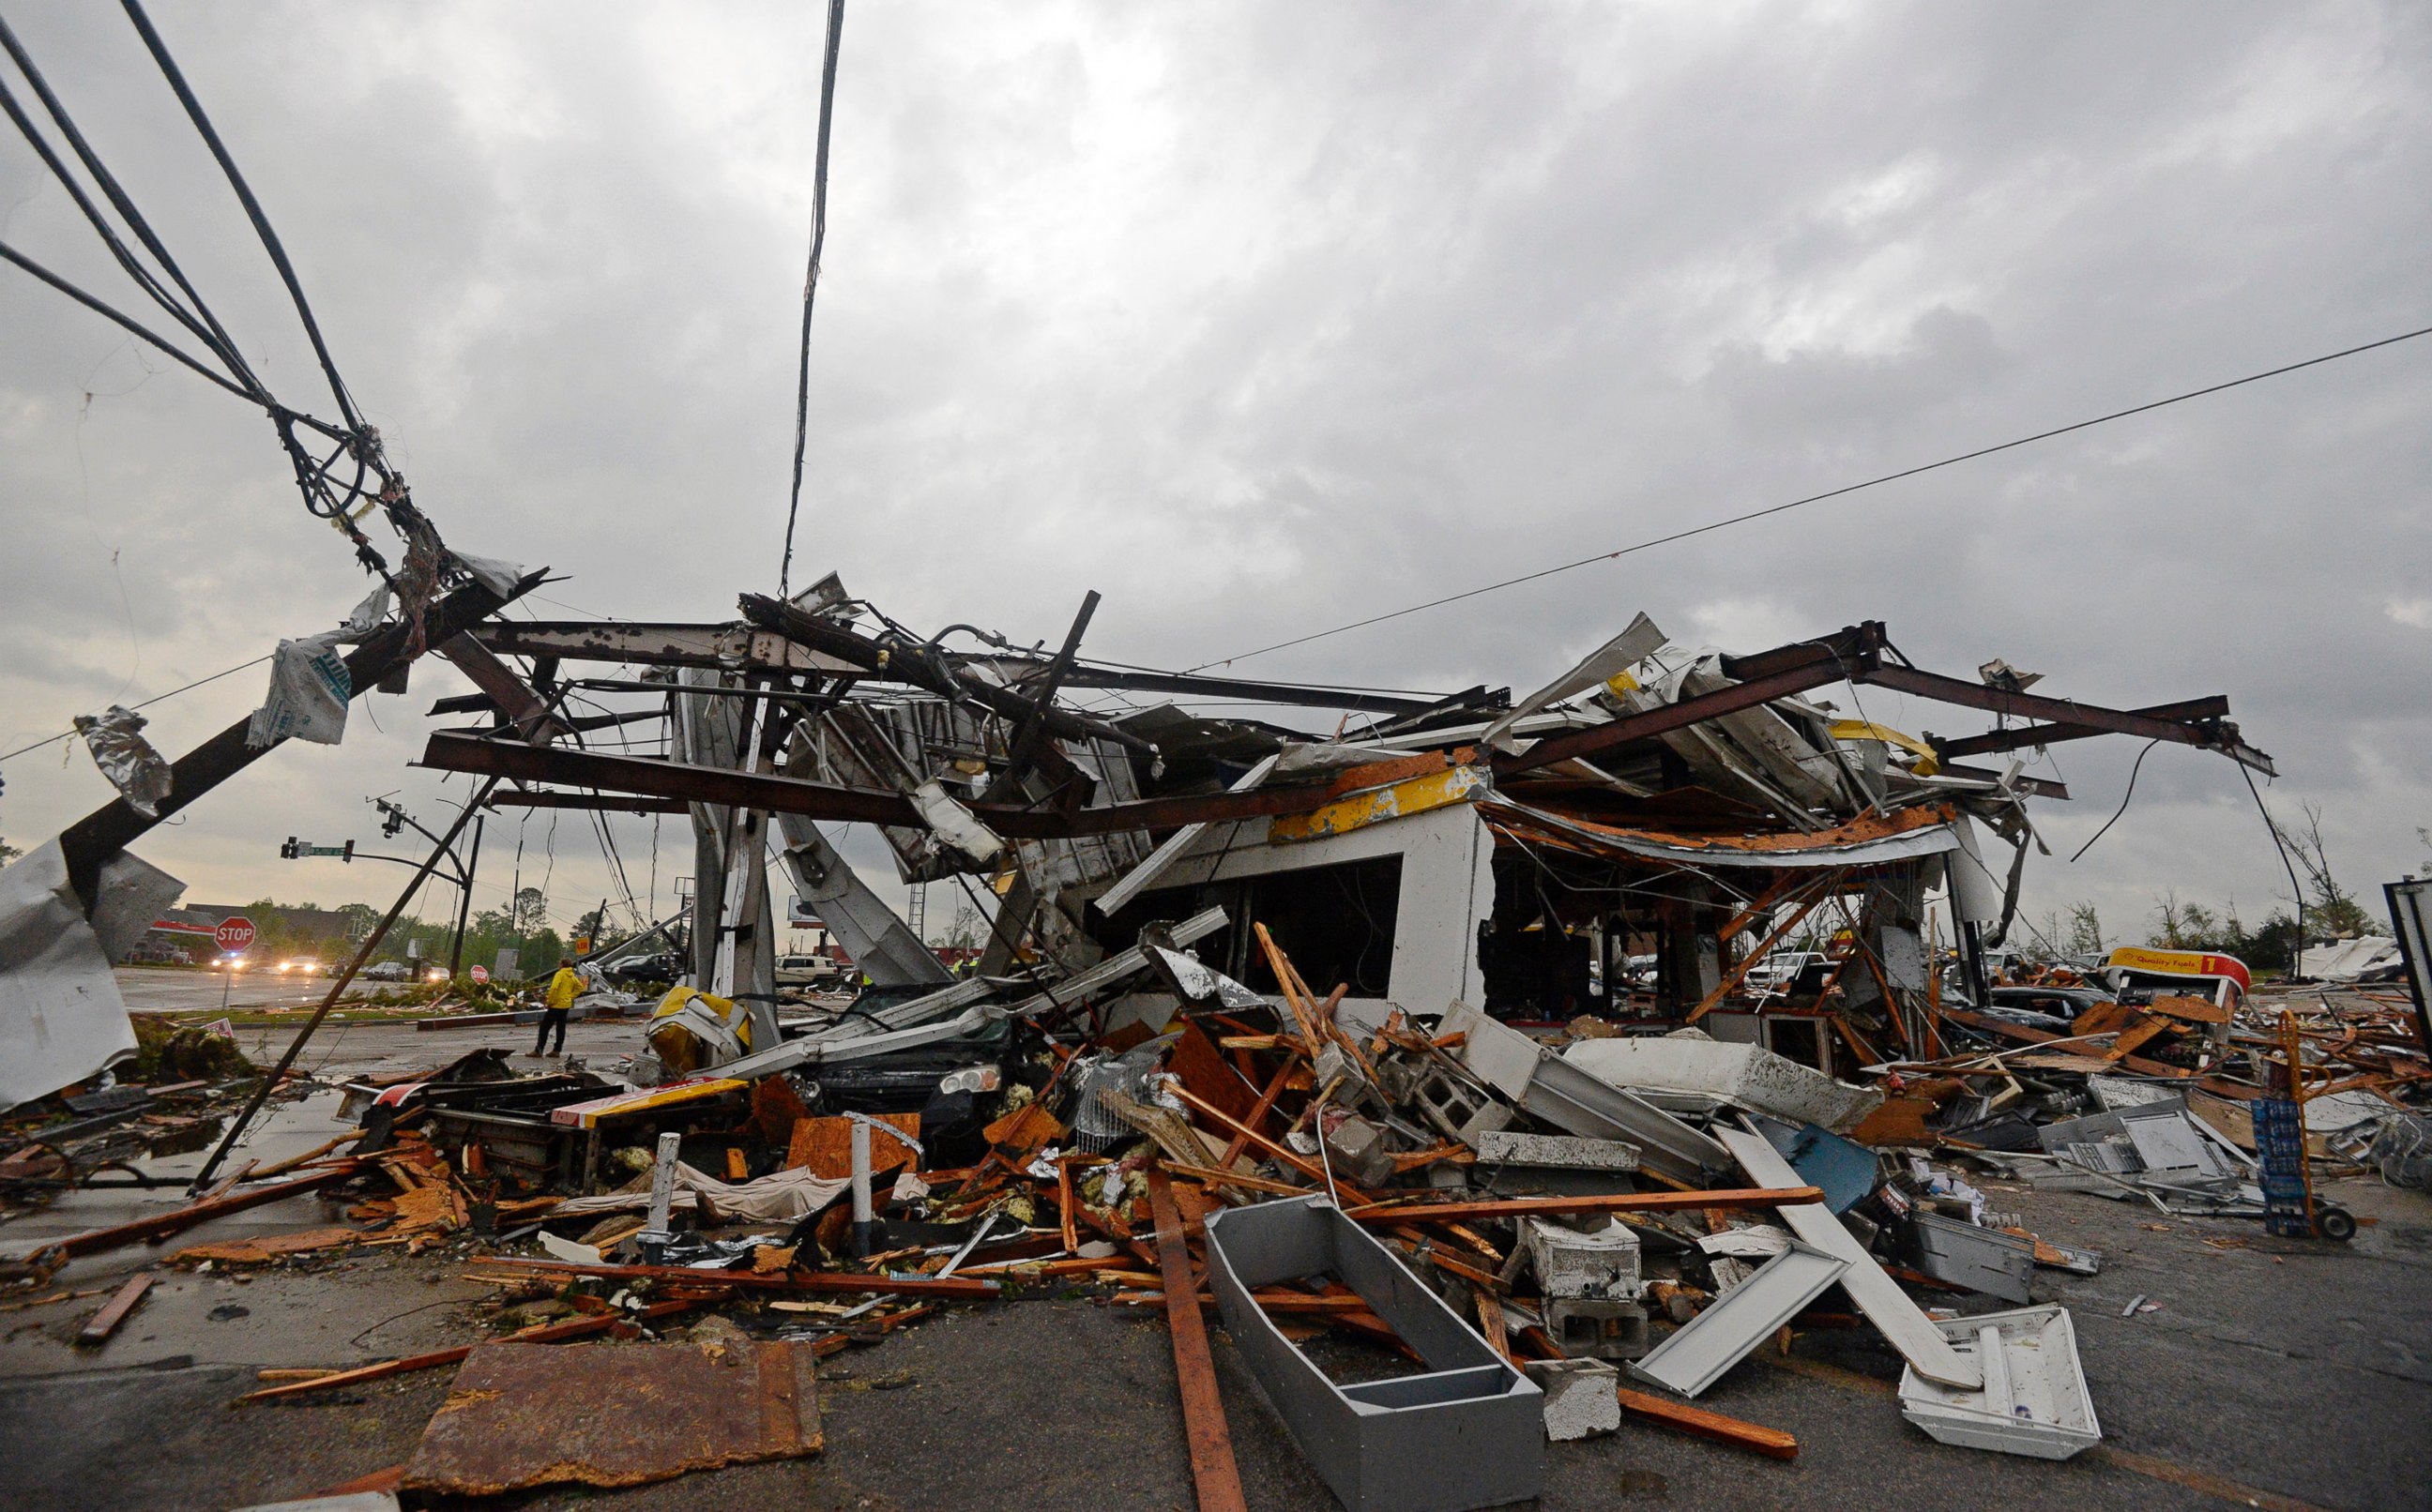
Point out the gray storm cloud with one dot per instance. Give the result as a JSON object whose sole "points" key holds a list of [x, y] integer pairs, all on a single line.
{"points": [[1264, 319]]}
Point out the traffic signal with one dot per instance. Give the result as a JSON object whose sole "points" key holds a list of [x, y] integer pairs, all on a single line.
{"points": [[350, 852], [293, 848]]}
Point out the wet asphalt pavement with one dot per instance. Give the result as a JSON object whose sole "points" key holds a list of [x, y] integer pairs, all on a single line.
{"points": [[2283, 1374]]}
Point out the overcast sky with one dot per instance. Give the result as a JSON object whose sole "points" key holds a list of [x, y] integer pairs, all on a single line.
{"points": [[1261, 319]]}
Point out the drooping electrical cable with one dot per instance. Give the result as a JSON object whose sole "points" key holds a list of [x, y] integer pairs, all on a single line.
{"points": [[811, 283], [2133, 770], [341, 484], [1818, 499]]}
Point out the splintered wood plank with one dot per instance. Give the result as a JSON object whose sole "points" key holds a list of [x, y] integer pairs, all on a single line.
{"points": [[1771, 1442], [1212, 1469], [114, 1312]]}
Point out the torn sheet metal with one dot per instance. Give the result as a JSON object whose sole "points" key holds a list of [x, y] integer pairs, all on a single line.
{"points": [[309, 690], [1745, 1317], [1746, 1076], [955, 824], [1143, 876], [882, 946], [527, 1414], [1981, 1259], [61, 1018], [1551, 1088], [1598, 669], [922, 1020], [1469, 1433], [1199, 982], [140, 773], [2033, 1401], [1902, 835], [1898, 1319]]}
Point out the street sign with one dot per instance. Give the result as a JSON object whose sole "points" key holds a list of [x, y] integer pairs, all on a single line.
{"points": [[480, 973], [234, 932]]}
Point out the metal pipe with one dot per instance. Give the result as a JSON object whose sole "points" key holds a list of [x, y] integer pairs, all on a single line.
{"points": [[863, 1218]]}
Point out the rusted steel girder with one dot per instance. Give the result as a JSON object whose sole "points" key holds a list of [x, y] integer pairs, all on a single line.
{"points": [[901, 659], [2071, 721], [1781, 673], [2020, 737], [852, 805]]}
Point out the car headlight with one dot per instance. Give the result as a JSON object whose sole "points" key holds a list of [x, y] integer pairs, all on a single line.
{"points": [[971, 1079]]}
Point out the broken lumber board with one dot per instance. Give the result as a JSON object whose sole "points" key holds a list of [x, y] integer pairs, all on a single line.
{"points": [[1073, 1266], [1213, 1472], [1274, 1303], [1512, 1207], [114, 1312], [545, 1334], [1771, 1442], [842, 1281], [162, 1225], [2224, 1086], [282, 1168]]}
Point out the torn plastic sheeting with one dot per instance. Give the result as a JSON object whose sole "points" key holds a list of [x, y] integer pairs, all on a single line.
{"points": [[367, 616], [498, 577], [61, 1018], [309, 690], [141, 775], [780, 1196]]}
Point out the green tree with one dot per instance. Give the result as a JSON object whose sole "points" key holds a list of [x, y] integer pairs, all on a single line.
{"points": [[2333, 910], [529, 911], [2085, 931]]}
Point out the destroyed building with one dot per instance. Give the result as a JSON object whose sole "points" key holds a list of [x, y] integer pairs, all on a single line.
{"points": [[1475, 1061]]}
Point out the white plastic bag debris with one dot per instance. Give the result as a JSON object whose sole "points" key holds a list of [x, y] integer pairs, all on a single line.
{"points": [[367, 615], [133, 767], [308, 689], [498, 577]]}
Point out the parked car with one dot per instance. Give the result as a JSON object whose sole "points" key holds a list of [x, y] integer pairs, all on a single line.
{"points": [[387, 972], [2054, 1010], [662, 968], [808, 971]]}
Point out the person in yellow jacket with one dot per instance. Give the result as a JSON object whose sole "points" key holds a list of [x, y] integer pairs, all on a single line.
{"points": [[563, 989]]}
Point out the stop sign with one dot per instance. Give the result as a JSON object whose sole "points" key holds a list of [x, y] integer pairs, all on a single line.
{"points": [[480, 973], [234, 933]]}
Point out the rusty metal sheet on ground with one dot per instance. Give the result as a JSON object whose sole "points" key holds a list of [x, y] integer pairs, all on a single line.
{"points": [[525, 1415]]}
